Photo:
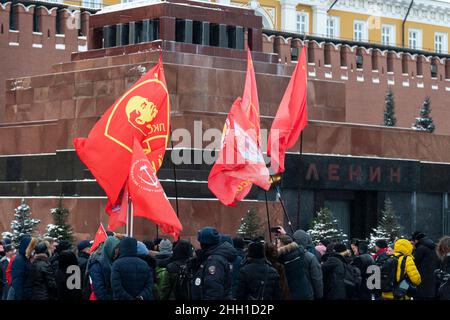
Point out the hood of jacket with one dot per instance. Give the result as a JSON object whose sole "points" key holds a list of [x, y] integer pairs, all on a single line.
{"points": [[302, 238], [426, 242], [224, 249], [403, 247], [363, 248], [23, 245], [128, 247], [109, 246]]}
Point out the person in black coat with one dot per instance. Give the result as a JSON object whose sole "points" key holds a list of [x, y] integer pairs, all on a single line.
{"points": [[292, 258], [333, 273], [67, 259], [131, 277], [22, 269], [427, 261], [362, 260], [44, 284], [213, 265], [443, 274], [60, 247], [178, 269], [257, 280]]}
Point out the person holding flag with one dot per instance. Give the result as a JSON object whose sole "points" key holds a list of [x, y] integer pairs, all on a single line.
{"points": [[240, 163]]}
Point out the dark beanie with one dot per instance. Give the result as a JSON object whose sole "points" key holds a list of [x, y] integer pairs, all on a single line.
{"points": [[41, 247], [83, 244], [208, 236], [340, 247], [256, 250], [417, 235], [381, 243]]}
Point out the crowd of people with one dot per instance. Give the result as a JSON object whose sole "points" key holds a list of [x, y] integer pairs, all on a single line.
{"points": [[225, 268]]}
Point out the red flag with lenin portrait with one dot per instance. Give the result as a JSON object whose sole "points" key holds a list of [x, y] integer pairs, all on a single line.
{"points": [[240, 162], [147, 195], [142, 112]]}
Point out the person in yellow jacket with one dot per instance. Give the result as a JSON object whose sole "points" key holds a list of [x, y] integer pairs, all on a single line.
{"points": [[403, 249]]}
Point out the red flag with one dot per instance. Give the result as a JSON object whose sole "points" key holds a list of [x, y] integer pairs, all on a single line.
{"points": [[142, 112], [118, 214], [291, 117], [147, 195], [240, 162], [100, 237]]}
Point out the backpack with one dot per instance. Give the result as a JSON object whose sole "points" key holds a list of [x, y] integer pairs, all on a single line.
{"points": [[389, 281], [162, 287], [352, 277], [181, 287], [262, 288], [443, 279]]}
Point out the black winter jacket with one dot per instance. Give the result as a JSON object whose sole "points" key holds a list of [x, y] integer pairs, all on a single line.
{"points": [[333, 277], [426, 261], [443, 280], [131, 277], [213, 276], [292, 257], [362, 262], [44, 284], [66, 259], [258, 280]]}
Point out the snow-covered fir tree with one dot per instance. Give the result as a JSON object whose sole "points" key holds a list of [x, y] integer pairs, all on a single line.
{"points": [[251, 226], [60, 229], [389, 113], [23, 224], [7, 234], [388, 227], [325, 227], [424, 122]]}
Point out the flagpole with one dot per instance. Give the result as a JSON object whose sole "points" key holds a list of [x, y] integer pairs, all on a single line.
{"points": [[174, 175], [128, 217], [130, 206], [282, 205], [268, 218], [299, 179]]}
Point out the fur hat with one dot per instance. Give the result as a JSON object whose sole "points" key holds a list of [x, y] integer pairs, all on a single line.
{"points": [[256, 250], [208, 236], [340, 247]]}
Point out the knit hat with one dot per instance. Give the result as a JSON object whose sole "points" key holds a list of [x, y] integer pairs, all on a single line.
{"points": [[208, 236], [321, 249], [141, 248], [8, 247], [340, 247], [256, 250], [63, 245], [165, 246], [381, 243], [417, 235], [83, 245]]}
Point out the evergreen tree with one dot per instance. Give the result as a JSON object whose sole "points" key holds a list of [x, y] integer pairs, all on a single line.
{"points": [[325, 227], [388, 227], [425, 122], [251, 226], [389, 114], [60, 229], [22, 224]]}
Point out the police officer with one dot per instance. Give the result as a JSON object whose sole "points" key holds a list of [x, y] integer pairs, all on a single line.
{"points": [[213, 277]]}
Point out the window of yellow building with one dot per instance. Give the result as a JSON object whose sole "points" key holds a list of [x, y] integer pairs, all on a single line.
{"points": [[415, 39], [441, 42], [388, 35], [302, 22], [333, 27], [360, 30]]}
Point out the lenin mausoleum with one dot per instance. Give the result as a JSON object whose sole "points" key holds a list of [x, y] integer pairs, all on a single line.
{"points": [[57, 81]]}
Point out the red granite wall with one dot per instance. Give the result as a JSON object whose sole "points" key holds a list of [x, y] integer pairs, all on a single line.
{"points": [[86, 215]]}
